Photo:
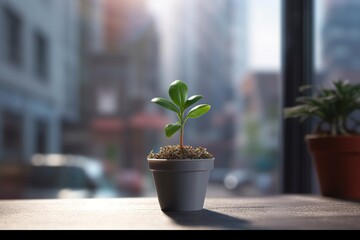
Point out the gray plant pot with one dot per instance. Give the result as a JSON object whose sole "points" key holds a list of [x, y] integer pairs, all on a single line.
{"points": [[181, 183]]}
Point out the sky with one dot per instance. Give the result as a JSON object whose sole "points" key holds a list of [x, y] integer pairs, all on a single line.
{"points": [[264, 39], [319, 18], [264, 31]]}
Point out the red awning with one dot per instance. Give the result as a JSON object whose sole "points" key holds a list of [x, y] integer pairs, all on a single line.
{"points": [[113, 125], [149, 120], [141, 120]]}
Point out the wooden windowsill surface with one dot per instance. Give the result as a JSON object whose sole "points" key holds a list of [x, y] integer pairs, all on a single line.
{"points": [[278, 212]]}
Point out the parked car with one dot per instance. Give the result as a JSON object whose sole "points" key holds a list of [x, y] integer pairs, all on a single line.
{"points": [[250, 182], [58, 176], [236, 179]]}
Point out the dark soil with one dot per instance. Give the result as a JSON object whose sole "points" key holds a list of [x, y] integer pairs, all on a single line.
{"points": [[175, 152]]}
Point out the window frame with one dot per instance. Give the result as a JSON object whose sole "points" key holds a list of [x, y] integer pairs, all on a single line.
{"points": [[297, 70]]}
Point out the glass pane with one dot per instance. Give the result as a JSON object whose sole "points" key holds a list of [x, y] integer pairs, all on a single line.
{"points": [[337, 48], [337, 40], [100, 66]]}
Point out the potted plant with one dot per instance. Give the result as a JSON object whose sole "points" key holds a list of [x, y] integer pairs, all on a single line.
{"points": [[181, 173], [335, 144]]}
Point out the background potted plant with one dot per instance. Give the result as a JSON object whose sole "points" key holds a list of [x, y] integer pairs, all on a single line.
{"points": [[335, 144], [181, 173]]}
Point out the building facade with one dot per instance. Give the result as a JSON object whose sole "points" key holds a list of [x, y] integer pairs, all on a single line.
{"points": [[260, 122], [38, 75], [119, 124], [341, 37]]}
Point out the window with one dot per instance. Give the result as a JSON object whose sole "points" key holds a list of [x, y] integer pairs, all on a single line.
{"points": [[318, 57], [106, 101], [129, 52], [337, 43], [70, 87], [14, 34], [229, 52], [12, 130], [40, 137], [41, 65]]}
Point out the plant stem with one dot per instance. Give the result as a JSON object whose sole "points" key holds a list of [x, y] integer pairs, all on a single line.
{"points": [[182, 137], [182, 129]]}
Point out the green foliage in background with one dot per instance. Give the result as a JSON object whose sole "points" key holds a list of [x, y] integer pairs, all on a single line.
{"points": [[332, 106]]}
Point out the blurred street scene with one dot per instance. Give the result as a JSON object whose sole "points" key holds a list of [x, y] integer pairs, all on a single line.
{"points": [[77, 77]]}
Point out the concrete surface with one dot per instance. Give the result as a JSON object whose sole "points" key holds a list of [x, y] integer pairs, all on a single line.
{"points": [[278, 212]]}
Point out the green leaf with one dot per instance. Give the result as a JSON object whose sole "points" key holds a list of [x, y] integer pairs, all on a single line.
{"points": [[192, 100], [198, 111], [171, 129], [166, 104], [178, 93]]}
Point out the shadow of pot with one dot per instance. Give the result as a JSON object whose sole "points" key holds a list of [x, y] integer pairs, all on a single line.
{"points": [[181, 183]]}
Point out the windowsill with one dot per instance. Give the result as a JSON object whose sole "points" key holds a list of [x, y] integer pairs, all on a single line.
{"points": [[281, 212]]}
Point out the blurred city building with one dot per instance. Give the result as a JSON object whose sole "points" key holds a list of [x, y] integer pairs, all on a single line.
{"points": [[260, 92], [261, 96], [38, 75], [120, 75], [341, 37]]}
